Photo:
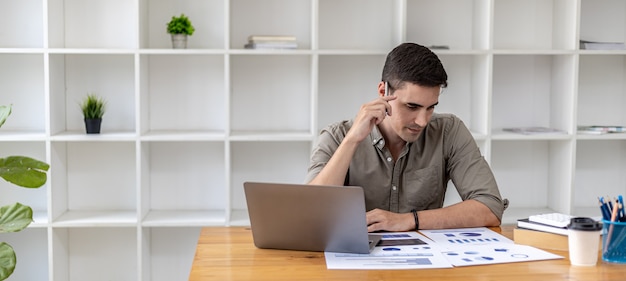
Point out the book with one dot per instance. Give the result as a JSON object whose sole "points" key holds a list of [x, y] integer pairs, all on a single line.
{"points": [[543, 240], [598, 130], [594, 45], [271, 45], [540, 239], [533, 130], [271, 42], [527, 224], [271, 38]]}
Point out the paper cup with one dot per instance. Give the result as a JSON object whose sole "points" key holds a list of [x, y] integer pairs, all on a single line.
{"points": [[583, 237]]}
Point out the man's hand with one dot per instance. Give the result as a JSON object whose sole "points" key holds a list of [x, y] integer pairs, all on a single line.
{"points": [[370, 114], [378, 219]]}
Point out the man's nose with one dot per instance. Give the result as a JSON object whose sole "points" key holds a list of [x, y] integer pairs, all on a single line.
{"points": [[421, 118]]}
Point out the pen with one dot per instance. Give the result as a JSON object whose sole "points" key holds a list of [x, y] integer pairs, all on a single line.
{"points": [[604, 208], [386, 88], [386, 94], [605, 212]]}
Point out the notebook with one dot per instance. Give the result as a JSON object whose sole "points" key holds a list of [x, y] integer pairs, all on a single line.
{"points": [[308, 217]]}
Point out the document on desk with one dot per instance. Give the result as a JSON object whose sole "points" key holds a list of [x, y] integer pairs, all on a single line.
{"points": [[396, 250], [465, 236], [439, 249], [479, 246]]}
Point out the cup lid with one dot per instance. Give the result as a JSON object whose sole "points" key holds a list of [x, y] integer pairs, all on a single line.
{"points": [[584, 224]]}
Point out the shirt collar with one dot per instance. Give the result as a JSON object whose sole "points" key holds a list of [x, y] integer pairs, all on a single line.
{"points": [[379, 141], [377, 138]]}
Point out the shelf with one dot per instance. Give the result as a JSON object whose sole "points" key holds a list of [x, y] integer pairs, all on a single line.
{"points": [[31, 248], [112, 218], [185, 128], [30, 33], [80, 253], [167, 260], [178, 218]]}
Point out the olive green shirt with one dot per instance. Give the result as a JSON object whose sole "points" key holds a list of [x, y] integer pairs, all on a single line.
{"points": [[418, 179]]}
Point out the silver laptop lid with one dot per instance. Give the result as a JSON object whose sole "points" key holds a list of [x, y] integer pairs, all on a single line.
{"points": [[307, 217]]}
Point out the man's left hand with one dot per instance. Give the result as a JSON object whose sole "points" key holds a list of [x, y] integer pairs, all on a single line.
{"points": [[378, 219]]}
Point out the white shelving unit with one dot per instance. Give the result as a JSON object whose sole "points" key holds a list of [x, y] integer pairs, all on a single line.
{"points": [[185, 128]]}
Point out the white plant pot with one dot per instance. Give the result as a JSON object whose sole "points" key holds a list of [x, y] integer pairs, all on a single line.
{"points": [[179, 41]]}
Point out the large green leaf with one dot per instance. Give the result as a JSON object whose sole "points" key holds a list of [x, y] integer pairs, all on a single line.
{"points": [[7, 260], [5, 111], [24, 171], [15, 217]]}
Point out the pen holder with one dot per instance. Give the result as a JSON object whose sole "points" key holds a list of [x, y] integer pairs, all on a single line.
{"points": [[614, 241]]}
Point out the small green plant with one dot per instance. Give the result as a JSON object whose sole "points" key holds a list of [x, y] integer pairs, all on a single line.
{"points": [[93, 106], [180, 25], [25, 172]]}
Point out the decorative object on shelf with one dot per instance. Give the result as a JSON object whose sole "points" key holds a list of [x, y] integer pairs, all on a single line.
{"points": [[594, 45], [271, 42], [180, 27], [600, 130], [25, 172], [93, 109], [534, 131]]}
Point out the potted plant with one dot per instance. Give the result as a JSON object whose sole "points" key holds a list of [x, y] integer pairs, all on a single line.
{"points": [[180, 27], [25, 172], [93, 108]]}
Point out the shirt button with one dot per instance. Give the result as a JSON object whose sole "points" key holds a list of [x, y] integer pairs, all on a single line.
{"points": [[393, 187], [389, 159]]}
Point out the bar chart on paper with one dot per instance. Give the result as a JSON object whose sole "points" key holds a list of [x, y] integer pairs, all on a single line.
{"points": [[465, 236]]}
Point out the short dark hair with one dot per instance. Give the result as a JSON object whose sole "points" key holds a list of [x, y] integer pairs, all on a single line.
{"points": [[414, 63]]}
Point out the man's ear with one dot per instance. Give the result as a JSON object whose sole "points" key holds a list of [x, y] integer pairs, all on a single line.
{"points": [[381, 89]]}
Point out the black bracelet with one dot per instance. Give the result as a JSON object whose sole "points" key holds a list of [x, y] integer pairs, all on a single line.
{"points": [[417, 221]]}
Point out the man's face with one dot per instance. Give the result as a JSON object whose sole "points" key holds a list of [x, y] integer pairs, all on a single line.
{"points": [[412, 110]]}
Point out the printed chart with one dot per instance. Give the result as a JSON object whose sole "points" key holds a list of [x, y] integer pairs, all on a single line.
{"points": [[439, 249], [402, 250]]}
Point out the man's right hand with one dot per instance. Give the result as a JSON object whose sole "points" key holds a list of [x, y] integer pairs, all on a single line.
{"points": [[370, 114]]}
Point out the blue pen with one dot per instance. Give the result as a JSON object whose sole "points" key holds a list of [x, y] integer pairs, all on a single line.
{"points": [[604, 209]]}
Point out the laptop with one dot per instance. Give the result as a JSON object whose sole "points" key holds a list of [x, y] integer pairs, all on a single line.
{"points": [[308, 217]]}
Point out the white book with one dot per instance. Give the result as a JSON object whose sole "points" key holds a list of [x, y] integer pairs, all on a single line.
{"points": [[271, 38], [589, 45], [526, 223], [272, 45], [534, 131]]}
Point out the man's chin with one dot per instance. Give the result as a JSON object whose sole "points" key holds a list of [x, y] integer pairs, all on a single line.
{"points": [[411, 135]]}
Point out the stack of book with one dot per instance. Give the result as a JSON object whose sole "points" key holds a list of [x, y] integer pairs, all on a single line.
{"points": [[599, 130], [596, 45], [534, 130], [545, 231], [528, 224], [271, 42]]}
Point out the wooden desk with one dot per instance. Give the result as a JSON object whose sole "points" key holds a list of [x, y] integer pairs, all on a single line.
{"points": [[228, 253]]}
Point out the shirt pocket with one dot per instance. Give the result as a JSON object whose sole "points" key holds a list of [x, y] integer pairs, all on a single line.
{"points": [[422, 188]]}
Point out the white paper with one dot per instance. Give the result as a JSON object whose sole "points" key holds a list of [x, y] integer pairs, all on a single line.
{"points": [[496, 253], [425, 255], [441, 249], [448, 238]]}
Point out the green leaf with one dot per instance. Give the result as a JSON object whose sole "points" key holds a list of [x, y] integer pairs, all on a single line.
{"points": [[24, 171], [180, 25], [14, 218], [93, 106], [7, 260], [5, 111]]}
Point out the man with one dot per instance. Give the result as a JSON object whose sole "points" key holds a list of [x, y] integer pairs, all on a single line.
{"points": [[403, 154]]}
